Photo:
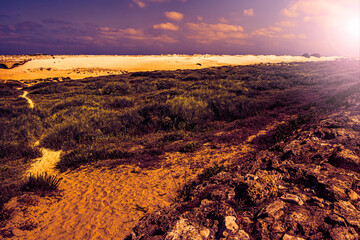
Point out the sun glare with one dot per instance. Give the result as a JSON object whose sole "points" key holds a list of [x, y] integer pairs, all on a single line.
{"points": [[352, 28]]}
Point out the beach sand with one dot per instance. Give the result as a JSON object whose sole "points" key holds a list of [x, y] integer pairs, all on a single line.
{"points": [[79, 67]]}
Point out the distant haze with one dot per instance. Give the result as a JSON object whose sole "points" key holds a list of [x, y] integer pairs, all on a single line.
{"points": [[291, 27]]}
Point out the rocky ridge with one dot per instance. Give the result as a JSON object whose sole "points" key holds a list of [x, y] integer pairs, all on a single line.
{"points": [[306, 186]]}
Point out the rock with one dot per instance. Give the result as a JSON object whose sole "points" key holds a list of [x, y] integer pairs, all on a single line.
{"points": [[353, 195], [306, 55], [292, 198], [346, 159], [240, 235], [317, 55], [334, 219], [302, 218], [18, 233], [273, 210], [348, 212], [230, 224], [289, 237], [205, 233], [343, 233], [183, 230]]}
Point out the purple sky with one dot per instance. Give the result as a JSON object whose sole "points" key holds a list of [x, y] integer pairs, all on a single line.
{"points": [[328, 27]]}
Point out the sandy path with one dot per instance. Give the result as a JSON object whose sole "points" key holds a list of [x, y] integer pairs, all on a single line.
{"points": [[31, 103], [98, 203], [46, 163]]}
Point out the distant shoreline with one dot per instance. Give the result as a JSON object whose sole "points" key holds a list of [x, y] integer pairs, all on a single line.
{"points": [[84, 66]]}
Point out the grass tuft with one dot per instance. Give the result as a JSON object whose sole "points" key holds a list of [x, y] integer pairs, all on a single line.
{"points": [[42, 182]]}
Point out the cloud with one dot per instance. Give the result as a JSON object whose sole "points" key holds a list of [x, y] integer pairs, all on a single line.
{"points": [[139, 3], [114, 35], [166, 26], [27, 26], [177, 16], [4, 16], [277, 32], [145, 3], [54, 21], [318, 8], [208, 33], [223, 20], [199, 18], [249, 12]]}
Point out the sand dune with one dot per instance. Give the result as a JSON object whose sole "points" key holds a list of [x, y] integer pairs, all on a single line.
{"points": [[79, 67]]}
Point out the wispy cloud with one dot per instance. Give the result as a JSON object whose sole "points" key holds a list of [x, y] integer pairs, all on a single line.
{"points": [[177, 16], [166, 26], [208, 33], [249, 12]]}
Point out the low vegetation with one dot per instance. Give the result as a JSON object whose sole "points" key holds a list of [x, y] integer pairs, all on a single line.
{"points": [[42, 183], [137, 117]]}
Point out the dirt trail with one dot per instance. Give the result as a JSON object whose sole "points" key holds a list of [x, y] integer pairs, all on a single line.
{"points": [[46, 163], [98, 203], [31, 103], [101, 203]]}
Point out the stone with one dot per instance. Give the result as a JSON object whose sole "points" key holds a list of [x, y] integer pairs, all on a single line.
{"points": [[18, 233], [240, 235], [184, 230], [273, 210], [289, 237], [230, 224], [346, 159], [205, 232], [292, 198], [343, 233], [353, 195], [348, 212]]}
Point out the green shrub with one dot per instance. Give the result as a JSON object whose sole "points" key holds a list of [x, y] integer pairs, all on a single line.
{"points": [[285, 130], [67, 103], [115, 88], [12, 151], [120, 102], [190, 147], [52, 88], [42, 182], [172, 137], [230, 107], [69, 135], [211, 171], [87, 154], [189, 109]]}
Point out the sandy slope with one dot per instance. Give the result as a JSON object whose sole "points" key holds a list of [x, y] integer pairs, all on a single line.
{"points": [[78, 67], [99, 203]]}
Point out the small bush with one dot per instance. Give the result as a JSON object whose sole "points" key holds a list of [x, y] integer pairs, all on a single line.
{"points": [[285, 130], [121, 102], [211, 171], [12, 151], [261, 190], [54, 88], [189, 109], [42, 182], [88, 154], [172, 137], [115, 88], [190, 147]]}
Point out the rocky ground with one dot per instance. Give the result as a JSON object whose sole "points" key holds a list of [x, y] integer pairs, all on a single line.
{"points": [[305, 186]]}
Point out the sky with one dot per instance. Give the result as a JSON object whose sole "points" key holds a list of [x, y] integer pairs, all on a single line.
{"points": [[141, 27]]}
